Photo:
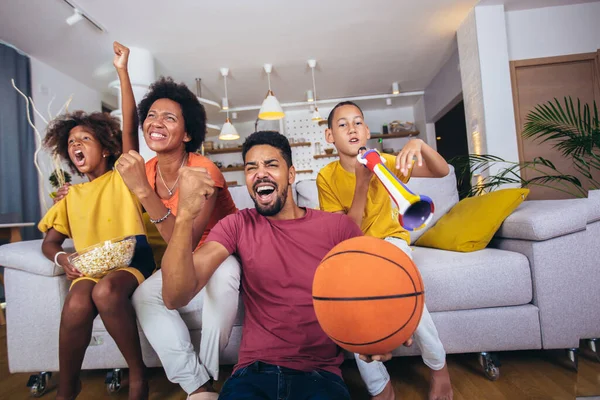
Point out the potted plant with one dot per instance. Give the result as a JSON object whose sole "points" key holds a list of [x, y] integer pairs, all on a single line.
{"points": [[575, 134], [57, 179]]}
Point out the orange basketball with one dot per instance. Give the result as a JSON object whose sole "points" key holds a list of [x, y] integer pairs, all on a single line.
{"points": [[368, 295]]}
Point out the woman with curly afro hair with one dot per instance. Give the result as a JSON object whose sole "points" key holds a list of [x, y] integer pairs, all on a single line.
{"points": [[174, 125], [92, 213]]}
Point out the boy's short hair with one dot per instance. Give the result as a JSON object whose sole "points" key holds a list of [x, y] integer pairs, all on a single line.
{"points": [[105, 129], [193, 112], [338, 105], [270, 138]]}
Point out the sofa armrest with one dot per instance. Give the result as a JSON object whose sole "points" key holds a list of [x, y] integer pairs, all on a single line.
{"points": [[27, 256], [539, 220]]}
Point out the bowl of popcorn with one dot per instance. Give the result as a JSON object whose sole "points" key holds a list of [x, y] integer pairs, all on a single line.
{"points": [[97, 260]]}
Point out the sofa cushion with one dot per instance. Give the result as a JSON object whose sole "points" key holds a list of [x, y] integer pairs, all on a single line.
{"points": [[27, 256], [480, 279], [472, 223]]}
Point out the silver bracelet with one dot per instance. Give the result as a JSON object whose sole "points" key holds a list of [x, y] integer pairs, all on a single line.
{"points": [[56, 257], [158, 221]]}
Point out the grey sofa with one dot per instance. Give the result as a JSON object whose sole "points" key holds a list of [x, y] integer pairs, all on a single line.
{"points": [[532, 288]]}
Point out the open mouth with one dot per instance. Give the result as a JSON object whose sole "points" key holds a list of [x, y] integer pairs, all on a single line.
{"points": [[354, 141], [79, 158], [157, 135], [265, 192]]}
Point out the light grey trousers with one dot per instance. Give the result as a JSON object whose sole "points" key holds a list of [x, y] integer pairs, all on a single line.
{"points": [[375, 375], [169, 336]]}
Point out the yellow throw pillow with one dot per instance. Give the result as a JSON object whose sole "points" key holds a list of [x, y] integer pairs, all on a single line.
{"points": [[471, 224]]}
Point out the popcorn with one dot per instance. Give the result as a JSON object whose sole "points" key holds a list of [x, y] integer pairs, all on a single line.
{"points": [[96, 261]]}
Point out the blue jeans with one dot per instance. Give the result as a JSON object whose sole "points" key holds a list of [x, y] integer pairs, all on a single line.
{"points": [[270, 382]]}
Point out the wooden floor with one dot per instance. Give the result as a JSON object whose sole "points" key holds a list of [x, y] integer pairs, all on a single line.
{"points": [[539, 375]]}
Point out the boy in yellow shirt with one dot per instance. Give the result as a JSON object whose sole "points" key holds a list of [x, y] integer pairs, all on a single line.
{"points": [[345, 186]]}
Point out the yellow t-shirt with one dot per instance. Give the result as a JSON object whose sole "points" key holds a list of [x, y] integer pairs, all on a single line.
{"points": [[96, 211], [380, 218]]}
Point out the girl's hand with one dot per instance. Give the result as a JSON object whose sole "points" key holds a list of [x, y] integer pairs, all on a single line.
{"points": [[61, 193], [71, 272]]}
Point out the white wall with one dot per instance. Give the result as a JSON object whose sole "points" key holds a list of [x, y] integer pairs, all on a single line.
{"points": [[47, 83], [500, 130], [445, 90], [553, 31]]}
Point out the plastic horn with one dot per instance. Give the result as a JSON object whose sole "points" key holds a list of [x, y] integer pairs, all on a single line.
{"points": [[415, 211]]}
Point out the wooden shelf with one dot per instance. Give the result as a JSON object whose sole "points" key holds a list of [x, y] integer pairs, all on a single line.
{"points": [[232, 169], [305, 171], [232, 183], [325, 155], [394, 135], [239, 149]]}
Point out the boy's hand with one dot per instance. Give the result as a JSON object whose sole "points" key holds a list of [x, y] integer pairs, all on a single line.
{"points": [[71, 272], [195, 187], [363, 174], [121, 55], [61, 193], [132, 168], [404, 158], [382, 357]]}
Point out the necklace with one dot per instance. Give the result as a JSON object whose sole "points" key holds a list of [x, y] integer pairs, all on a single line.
{"points": [[176, 180]]}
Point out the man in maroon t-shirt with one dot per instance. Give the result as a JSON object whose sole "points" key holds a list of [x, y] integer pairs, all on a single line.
{"points": [[284, 353]]}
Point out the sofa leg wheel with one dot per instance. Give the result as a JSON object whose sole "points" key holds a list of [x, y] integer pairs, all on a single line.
{"points": [[113, 380], [573, 355], [491, 365], [38, 384], [594, 346]]}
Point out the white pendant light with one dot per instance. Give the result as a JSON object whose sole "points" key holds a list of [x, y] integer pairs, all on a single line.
{"points": [[228, 131], [271, 109], [316, 116], [395, 88]]}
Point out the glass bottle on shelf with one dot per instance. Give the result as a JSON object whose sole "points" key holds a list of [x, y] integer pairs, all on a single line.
{"points": [[317, 148]]}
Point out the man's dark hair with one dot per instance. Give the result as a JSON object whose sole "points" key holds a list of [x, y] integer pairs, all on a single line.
{"points": [[270, 138], [193, 112], [338, 105], [104, 128]]}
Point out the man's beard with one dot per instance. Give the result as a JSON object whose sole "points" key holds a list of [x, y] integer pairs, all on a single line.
{"points": [[274, 209]]}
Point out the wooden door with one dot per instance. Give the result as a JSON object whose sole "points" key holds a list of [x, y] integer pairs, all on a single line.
{"points": [[541, 80]]}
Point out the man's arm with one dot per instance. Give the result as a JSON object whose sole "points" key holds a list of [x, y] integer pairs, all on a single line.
{"points": [[185, 273]]}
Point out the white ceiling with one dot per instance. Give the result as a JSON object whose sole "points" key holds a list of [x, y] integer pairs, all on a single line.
{"points": [[361, 47]]}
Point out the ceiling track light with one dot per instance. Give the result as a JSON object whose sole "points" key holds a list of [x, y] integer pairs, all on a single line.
{"points": [[79, 14], [395, 88], [316, 116]]}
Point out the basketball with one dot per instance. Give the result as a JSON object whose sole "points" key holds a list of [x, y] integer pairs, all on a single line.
{"points": [[368, 295]]}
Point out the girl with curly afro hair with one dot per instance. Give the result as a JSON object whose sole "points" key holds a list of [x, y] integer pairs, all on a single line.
{"points": [[92, 213]]}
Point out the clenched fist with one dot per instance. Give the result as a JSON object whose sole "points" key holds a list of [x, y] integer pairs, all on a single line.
{"points": [[121, 55], [195, 187]]}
